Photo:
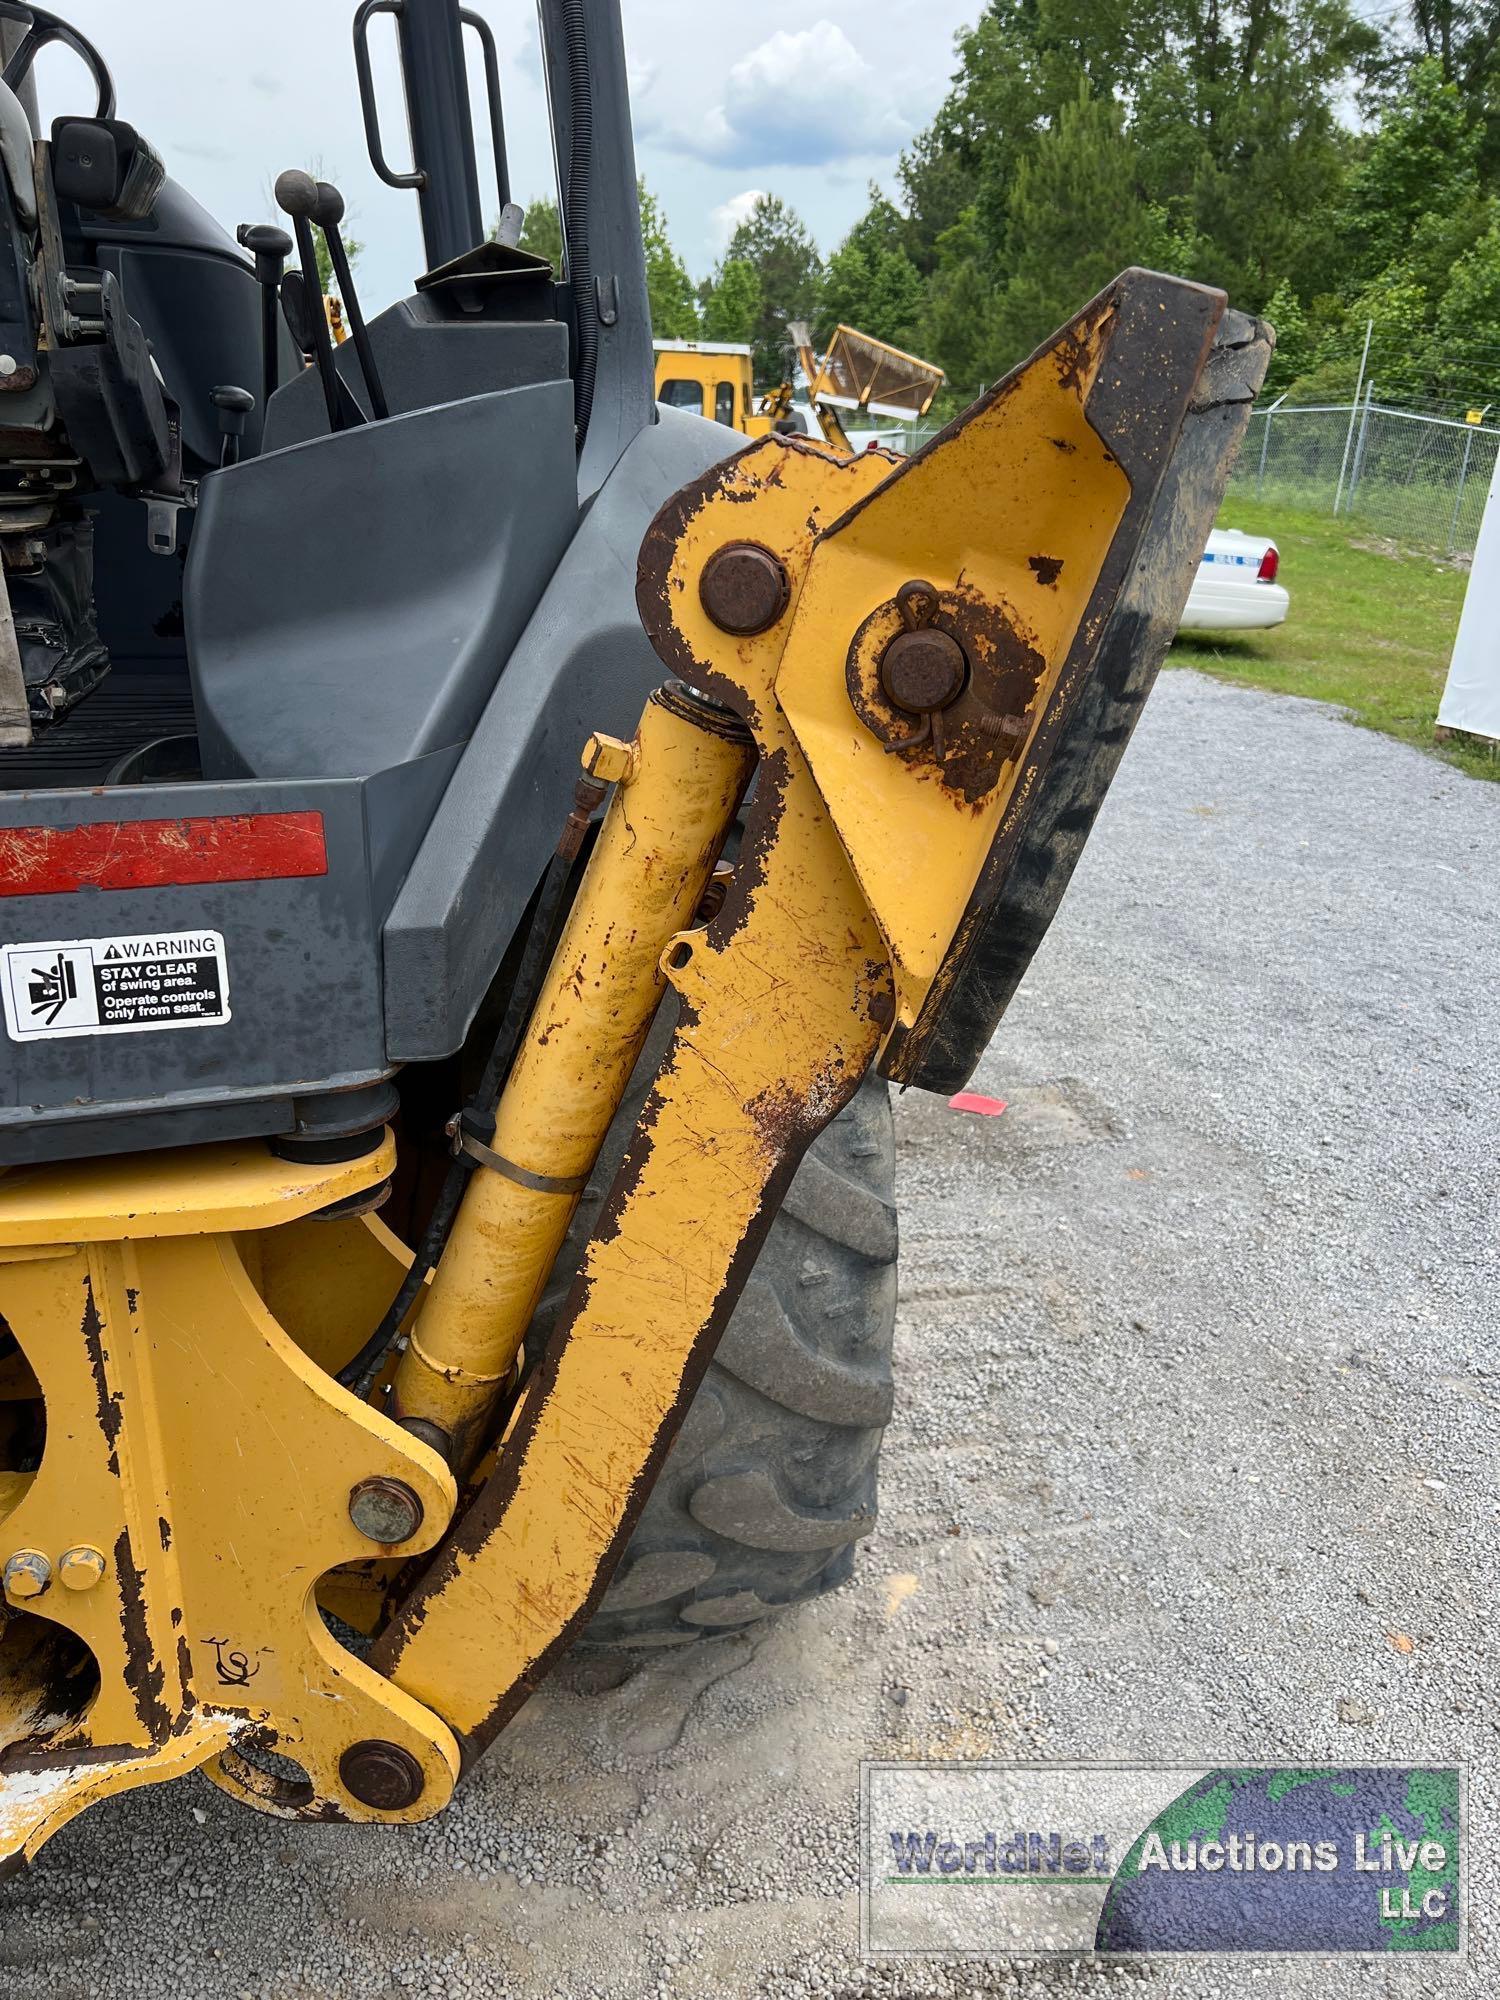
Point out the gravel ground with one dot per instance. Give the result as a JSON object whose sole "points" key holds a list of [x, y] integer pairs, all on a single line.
{"points": [[1196, 1405]]}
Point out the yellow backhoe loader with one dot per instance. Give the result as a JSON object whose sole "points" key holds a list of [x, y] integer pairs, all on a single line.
{"points": [[474, 848], [858, 372], [713, 379]]}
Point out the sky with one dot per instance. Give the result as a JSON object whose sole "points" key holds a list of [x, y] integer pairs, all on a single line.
{"points": [[811, 102]]}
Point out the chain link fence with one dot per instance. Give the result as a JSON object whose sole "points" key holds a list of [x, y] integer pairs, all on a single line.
{"points": [[1420, 480]]}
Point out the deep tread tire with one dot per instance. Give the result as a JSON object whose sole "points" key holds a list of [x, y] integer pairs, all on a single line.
{"points": [[772, 1478]]}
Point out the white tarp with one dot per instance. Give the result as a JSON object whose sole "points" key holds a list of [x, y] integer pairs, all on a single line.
{"points": [[1471, 700]]}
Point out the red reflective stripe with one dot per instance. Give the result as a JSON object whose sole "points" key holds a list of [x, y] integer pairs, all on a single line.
{"points": [[158, 853]]}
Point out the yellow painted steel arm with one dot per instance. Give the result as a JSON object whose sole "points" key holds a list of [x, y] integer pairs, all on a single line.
{"points": [[925, 635], [784, 1000]]}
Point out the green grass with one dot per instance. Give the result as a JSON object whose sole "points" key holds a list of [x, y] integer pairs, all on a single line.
{"points": [[1368, 630]]}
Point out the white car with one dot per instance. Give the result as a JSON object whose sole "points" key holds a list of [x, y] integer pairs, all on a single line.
{"points": [[1235, 589]]}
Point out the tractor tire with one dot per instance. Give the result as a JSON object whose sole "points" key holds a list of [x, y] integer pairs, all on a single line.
{"points": [[771, 1480]]}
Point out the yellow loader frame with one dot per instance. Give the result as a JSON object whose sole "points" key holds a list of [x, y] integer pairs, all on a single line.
{"points": [[929, 669]]}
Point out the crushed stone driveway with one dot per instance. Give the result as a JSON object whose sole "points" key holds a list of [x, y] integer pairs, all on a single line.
{"points": [[1193, 1455]]}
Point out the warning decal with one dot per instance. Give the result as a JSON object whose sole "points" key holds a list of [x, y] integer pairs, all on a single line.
{"points": [[114, 985]]}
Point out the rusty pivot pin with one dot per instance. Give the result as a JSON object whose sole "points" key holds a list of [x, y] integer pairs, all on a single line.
{"points": [[923, 669], [383, 1775], [744, 588]]}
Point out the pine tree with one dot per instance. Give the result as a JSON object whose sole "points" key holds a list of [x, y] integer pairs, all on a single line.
{"points": [[774, 241], [1076, 219], [731, 305]]}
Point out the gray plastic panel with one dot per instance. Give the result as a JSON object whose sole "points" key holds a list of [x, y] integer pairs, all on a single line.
{"points": [[422, 362], [583, 663], [303, 973], [202, 317], [350, 601]]}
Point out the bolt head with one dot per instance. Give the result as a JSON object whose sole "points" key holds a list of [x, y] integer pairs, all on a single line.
{"points": [[385, 1510], [382, 1775], [27, 1573], [923, 670], [744, 588], [80, 1568], [608, 759], [8, 364]]}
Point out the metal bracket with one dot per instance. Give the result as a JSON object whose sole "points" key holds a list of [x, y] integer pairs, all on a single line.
{"points": [[785, 999], [486, 1156], [199, 1477]]}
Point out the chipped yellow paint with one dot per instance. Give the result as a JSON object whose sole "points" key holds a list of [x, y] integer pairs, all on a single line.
{"points": [[1024, 476], [187, 1191], [666, 823], [209, 1455], [784, 994], [210, 1461]]}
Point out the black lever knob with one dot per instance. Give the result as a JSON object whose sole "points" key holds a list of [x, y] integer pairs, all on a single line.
{"points": [[233, 405], [329, 212], [297, 195], [269, 246]]}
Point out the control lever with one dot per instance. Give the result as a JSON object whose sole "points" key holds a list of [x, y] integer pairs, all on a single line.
{"points": [[297, 195], [296, 310], [233, 405], [328, 215], [270, 248]]}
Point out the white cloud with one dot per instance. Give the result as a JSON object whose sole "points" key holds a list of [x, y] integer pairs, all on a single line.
{"points": [[728, 216], [802, 98], [229, 135]]}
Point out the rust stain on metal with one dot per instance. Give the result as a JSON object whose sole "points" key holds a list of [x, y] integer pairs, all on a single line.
{"points": [[661, 577], [785, 1139], [1046, 569], [1139, 429], [966, 744], [744, 588], [110, 1414], [774, 1109], [772, 777], [185, 1675], [144, 1672]]}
